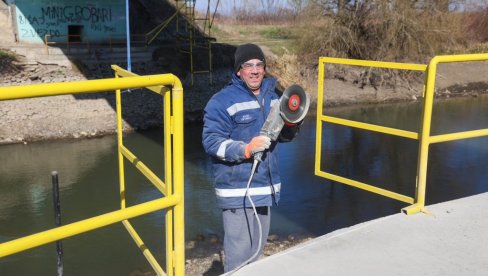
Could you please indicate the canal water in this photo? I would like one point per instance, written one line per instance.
(310, 205)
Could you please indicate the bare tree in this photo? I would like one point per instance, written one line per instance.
(339, 6)
(269, 6)
(297, 5)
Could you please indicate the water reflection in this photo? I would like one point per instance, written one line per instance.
(310, 205)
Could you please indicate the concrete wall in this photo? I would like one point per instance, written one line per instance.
(100, 19)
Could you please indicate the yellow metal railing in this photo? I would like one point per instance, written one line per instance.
(139, 39)
(48, 40)
(167, 85)
(424, 138)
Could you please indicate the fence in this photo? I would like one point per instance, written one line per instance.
(166, 85)
(417, 203)
(73, 40)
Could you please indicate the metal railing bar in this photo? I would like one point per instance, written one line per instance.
(371, 63)
(159, 89)
(145, 251)
(82, 87)
(168, 173)
(458, 136)
(178, 177)
(150, 175)
(69, 230)
(371, 127)
(459, 58)
(424, 137)
(366, 187)
(173, 104)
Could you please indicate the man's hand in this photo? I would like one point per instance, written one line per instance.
(257, 144)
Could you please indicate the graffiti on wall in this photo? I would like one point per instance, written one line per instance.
(36, 21)
(77, 14)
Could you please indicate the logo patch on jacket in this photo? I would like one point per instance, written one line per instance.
(244, 118)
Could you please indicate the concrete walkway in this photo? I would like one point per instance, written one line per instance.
(452, 241)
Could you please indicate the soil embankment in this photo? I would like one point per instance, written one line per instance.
(94, 115)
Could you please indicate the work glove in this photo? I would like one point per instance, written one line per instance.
(289, 132)
(257, 144)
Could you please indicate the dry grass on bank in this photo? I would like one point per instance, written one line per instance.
(378, 31)
(371, 30)
(367, 31)
(400, 33)
(7, 60)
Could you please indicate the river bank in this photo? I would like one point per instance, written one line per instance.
(88, 115)
(204, 256)
(85, 116)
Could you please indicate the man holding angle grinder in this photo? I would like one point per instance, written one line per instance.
(242, 125)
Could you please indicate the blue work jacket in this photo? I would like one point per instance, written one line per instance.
(232, 117)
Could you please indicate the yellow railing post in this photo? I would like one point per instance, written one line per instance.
(320, 103)
(179, 221)
(168, 168)
(118, 103)
(174, 170)
(424, 137)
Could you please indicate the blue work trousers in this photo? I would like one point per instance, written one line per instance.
(241, 237)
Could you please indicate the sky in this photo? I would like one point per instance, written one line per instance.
(225, 6)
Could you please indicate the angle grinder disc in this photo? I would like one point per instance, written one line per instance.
(294, 104)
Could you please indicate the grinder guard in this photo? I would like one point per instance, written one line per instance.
(291, 109)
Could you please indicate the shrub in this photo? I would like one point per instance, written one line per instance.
(478, 26)
(7, 62)
(383, 32)
(6, 55)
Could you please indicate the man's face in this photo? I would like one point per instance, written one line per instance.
(252, 73)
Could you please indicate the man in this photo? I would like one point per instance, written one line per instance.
(232, 120)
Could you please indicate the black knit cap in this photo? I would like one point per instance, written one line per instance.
(247, 52)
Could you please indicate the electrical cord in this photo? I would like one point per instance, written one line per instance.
(254, 165)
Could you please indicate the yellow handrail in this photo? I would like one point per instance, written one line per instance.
(174, 217)
(170, 87)
(135, 38)
(82, 87)
(424, 138)
(322, 118)
(68, 43)
(72, 229)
